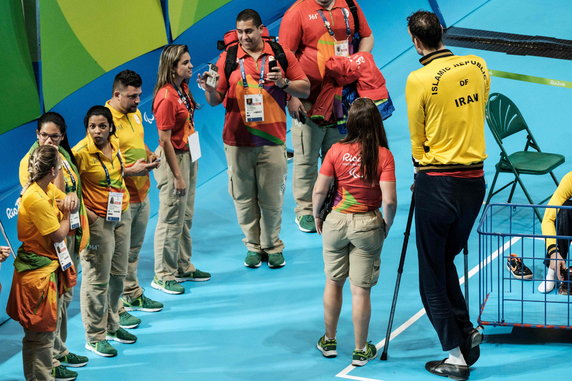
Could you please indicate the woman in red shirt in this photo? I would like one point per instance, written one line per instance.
(353, 232)
(174, 108)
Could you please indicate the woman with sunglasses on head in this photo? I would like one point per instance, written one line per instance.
(353, 232)
(40, 278)
(174, 108)
(51, 130)
(104, 262)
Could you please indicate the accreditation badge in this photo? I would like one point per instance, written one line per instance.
(254, 108)
(342, 48)
(195, 146)
(63, 255)
(114, 204)
(74, 220)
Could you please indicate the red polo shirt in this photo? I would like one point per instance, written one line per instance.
(271, 131)
(172, 114)
(303, 31)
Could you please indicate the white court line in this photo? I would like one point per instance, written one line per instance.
(421, 312)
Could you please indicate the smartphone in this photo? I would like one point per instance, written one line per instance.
(213, 75)
(272, 64)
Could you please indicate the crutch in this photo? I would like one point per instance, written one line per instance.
(466, 260)
(399, 272)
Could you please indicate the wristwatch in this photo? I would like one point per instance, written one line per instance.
(286, 84)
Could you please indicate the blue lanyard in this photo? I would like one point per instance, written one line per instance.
(328, 25)
(184, 97)
(107, 177)
(243, 73)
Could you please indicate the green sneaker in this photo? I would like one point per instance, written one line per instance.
(195, 276)
(102, 348)
(306, 223)
(61, 373)
(126, 320)
(276, 260)
(73, 360)
(253, 259)
(168, 286)
(327, 347)
(141, 303)
(360, 357)
(121, 336)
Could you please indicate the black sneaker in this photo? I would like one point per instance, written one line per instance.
(517, 268)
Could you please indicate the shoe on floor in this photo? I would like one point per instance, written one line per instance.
(142, 303)
(470, 348)
(306, 223)
(253, 259)
(276, 260)
(61, 373)
(102, 348)
(327, 347)
(193, 276)
(121, 336)
(73, 360)
(517, 268)
(169, 286)
(128, 321)
(361, 357)
(453, 371)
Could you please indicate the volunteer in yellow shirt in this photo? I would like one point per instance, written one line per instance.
(39, 279)
(104, 262)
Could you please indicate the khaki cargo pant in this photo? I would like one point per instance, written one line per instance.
(173, 244)
(104, 264)
(256, 181)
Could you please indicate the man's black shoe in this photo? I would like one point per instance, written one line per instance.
(454, 372)
(470, 348)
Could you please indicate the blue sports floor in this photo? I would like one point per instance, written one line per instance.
(262, 324)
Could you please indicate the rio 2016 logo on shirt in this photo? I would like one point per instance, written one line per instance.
(351, 158)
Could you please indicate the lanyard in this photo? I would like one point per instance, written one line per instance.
(66, 166)
(328, 25)
(107, 177)
(186, 101)
(243, 73)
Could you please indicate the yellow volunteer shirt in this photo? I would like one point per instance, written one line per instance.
(94, 185)
(446, 101)
(70, 177)
(39, 216)
(562, 194)
(131, 135)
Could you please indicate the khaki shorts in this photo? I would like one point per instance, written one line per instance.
(352, 245)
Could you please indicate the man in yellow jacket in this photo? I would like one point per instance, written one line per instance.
(446, 108)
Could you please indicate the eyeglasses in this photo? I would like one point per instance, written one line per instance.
(45, 136)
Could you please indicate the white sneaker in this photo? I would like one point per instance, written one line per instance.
(549, 284)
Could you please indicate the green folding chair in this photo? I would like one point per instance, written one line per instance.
(504, 119)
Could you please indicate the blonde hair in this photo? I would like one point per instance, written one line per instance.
(170, 57)
(41, 162)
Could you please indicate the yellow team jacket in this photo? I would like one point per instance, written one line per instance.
(446, 101)
(562, 194)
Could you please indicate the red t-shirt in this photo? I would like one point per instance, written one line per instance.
(353, 195)
(303, 31)
(172, 114)
(271, 131)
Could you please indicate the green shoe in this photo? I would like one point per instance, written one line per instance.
(142, 303)
(327, 347)
(126, 320)
(61, 373)
(121, 336)
(102, 348)
(276, 260)
(195, 276)
(253, 259)
(73, 360)
(360, 358)
(306, 223)
(168, 286)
